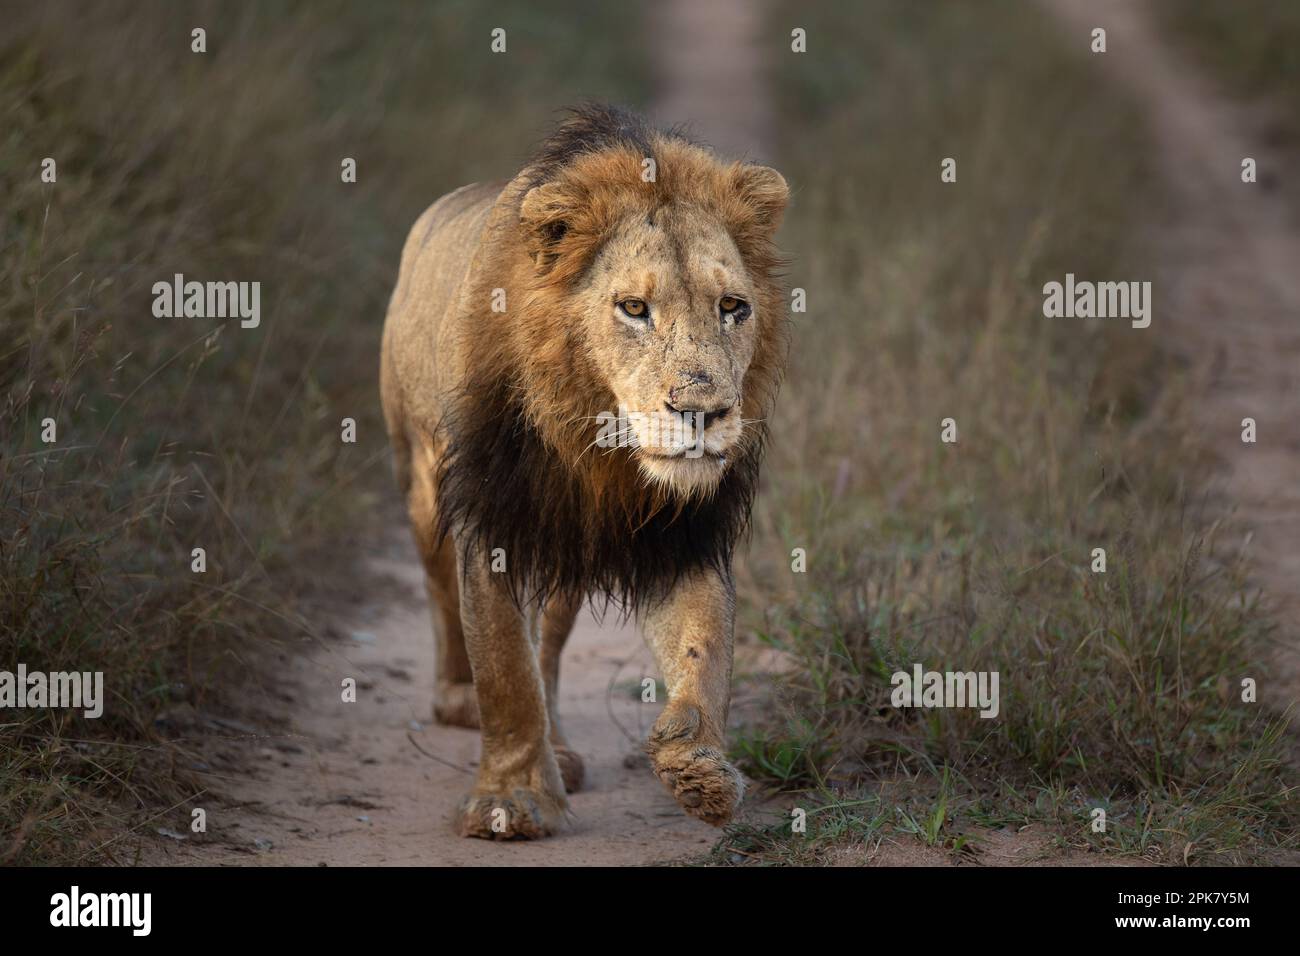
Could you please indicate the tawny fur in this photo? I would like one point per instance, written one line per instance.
(492, 416)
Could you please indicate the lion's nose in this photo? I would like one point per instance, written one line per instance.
(710, 415)
(694, 387)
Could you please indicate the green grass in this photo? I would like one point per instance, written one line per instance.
(1118, 690)
(183, 433)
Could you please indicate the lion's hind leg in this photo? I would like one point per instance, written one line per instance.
(556, 624)
(454, 700)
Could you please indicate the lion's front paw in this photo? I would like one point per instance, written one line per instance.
(701, 781)
(522, 814)
(455, 705)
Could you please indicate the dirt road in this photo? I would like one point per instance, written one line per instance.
(1228, 297)
(710, 57)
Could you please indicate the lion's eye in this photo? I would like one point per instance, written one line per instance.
(733, 310)
(635, 308)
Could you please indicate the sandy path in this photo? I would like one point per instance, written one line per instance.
(710, 56)
(1230, 289)
(376, 782)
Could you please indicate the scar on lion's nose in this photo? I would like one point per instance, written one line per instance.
(697, 382)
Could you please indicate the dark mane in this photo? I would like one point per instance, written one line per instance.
(504, 488)
(591, 128)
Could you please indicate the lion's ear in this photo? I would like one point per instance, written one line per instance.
(544, 218)
(764, 193)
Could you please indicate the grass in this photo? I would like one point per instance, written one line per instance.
(1119, 690)
(181, 433)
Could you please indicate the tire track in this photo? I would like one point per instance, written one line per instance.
(1230, 284)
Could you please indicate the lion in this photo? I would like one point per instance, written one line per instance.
(625, 274)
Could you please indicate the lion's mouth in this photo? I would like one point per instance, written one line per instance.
(692, 475)
(687, 454)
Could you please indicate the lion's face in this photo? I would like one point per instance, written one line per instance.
(668, 314)
(666, 295)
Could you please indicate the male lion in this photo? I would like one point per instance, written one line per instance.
(593, 281)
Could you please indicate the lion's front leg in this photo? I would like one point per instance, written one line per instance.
(519, 793)
(692, 632)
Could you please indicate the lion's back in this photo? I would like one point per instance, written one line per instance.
(435, 262)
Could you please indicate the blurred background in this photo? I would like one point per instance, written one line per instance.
(924, 302)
